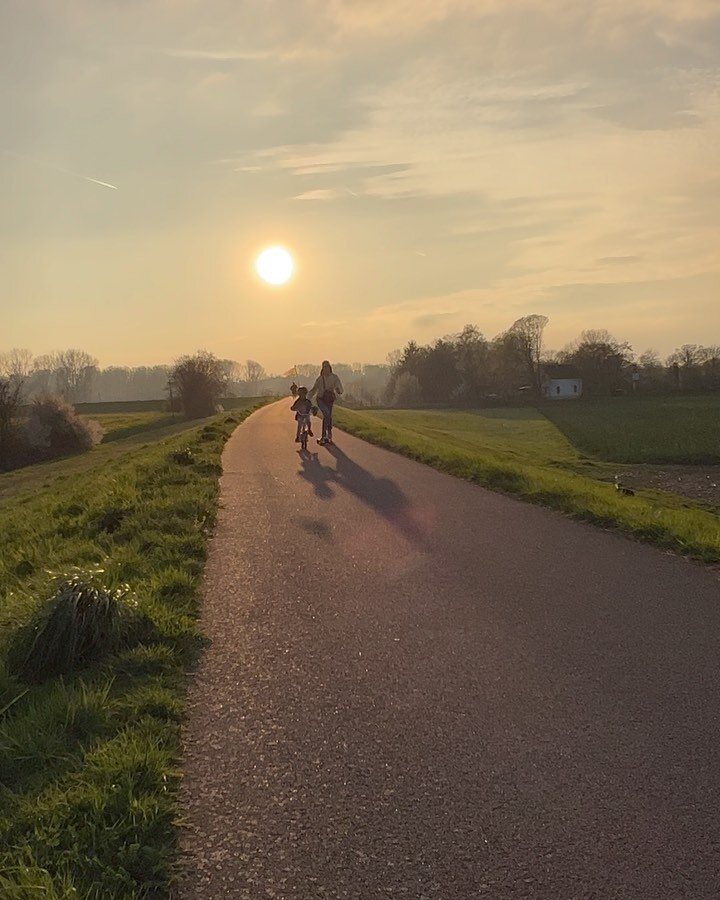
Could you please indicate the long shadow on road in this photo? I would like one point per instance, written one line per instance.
(381, 494)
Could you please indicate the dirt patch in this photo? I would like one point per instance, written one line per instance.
(695, 482)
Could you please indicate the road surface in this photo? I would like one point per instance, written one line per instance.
(417, 688)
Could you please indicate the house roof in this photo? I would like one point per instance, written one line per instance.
(559, 371)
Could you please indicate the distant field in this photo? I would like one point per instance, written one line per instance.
(648, 430)
(519, 451)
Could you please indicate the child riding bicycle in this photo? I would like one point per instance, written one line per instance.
(303, 410)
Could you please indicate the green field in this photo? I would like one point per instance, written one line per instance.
(519, 451)
(648, 430)
(88, 775)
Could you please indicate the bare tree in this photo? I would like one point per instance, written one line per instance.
(688, 355)
(527, 334)
(71, 372)
(16, 363)
(254, 372)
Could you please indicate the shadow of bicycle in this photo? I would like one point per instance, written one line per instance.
(381, 494)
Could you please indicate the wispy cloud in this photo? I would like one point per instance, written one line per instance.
(214, 55)
(617, 260)
(320, 194)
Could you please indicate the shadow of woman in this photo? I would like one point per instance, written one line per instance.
(381, 494)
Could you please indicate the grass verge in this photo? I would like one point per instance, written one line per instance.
(88, 782)
(658, 518)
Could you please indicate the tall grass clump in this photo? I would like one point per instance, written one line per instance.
(81, 623)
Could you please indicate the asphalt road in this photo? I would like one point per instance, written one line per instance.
(417, 688)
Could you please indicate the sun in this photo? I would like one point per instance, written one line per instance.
(275, 265)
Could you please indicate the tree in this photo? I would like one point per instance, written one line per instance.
(69, 373)
(601, 360)
(254, 372)
(199, 383)
(527, 334)
(711, 367)
(438, 373)
(688, 360)
(506, 370)
(652, 372)
(17, 363)
(472, 352)
(407, 391)
(10, 403)
(687, 356)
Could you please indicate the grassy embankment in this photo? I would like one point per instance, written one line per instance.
(521, 452)
(87, 763)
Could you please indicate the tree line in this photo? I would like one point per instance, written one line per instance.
(467, 368)
(76, 376)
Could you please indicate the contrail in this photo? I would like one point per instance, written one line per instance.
(47, 165)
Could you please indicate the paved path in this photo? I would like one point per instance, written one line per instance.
(420, 689)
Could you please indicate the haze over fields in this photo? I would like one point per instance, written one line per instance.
(427, 163)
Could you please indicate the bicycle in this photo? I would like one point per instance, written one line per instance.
(304, 419)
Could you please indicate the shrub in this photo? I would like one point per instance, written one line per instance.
(53, 429)
(198, 382)
(81, 623)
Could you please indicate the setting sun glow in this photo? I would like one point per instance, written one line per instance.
(275, 265)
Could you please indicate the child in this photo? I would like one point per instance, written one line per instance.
(302, 407)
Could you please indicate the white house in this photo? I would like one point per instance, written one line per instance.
(561, 382)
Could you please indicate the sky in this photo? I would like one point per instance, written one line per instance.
(428, 163)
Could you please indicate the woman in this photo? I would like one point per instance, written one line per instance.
(327, 388)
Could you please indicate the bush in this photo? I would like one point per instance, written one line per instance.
(80, 624)
(54, 429)
(198, 382)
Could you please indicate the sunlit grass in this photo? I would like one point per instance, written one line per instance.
(121, 425)
(520, 453)
(88, 762)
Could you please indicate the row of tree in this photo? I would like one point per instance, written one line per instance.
(467, 368)
(76, 376)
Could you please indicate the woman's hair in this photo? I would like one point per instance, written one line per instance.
(325, 367)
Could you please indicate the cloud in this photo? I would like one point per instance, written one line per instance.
(431, 320)
(320, 194)
(617, 260)
(215, 55)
